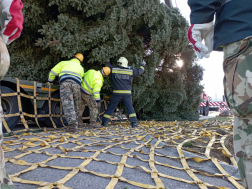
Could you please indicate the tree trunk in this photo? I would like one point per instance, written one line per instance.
(168, 3)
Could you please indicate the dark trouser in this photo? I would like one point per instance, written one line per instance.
(114, 100)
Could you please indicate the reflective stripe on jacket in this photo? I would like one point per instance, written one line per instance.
(70, 69)
(92, 83)
(122, 78)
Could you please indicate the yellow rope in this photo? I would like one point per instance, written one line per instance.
(118, 135)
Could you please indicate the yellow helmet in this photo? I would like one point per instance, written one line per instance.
(123, 62)
(105, 71)
(79, 56)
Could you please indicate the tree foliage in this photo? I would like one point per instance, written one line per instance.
(104, 30)
(175, 94)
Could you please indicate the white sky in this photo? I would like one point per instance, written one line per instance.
(213, 74)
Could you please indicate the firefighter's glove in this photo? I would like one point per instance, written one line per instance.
(98, 104)
(106, 64)
(199, 32)
(143, 63)
(11, 20)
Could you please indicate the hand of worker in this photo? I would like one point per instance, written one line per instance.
(107, 64)
(199, 32)
(11, 20)
(98, 104)
(143, 63)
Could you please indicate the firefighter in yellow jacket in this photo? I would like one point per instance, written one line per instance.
(90, 93)
(70, 75)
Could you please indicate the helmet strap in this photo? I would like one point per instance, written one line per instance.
(102, 72)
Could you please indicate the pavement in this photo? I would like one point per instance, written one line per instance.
(210, 115)
(113, 157)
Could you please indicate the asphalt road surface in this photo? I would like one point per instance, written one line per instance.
(116, 157)
(210, 115)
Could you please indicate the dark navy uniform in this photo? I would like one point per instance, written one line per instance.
(122, 86)
(232, 21)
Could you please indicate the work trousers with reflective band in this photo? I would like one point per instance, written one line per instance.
(237, 66)
(91, 103)
(114, 100)
(5, 181)
(70, 98)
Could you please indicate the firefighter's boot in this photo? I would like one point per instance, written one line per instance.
(134, 125)
(72, 128)
(80, 124)
(94, 125)
(104, 123)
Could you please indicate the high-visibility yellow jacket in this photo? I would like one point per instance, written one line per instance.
(92, 83)
(70, 69)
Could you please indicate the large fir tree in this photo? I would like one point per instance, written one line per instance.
(175, 94)
(104, 30)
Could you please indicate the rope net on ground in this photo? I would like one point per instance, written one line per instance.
(121, 143)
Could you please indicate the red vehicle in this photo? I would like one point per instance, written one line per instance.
(207, 105)
(204, 105)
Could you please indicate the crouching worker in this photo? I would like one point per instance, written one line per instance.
(70, 73)
(90, 93)
(122, 78)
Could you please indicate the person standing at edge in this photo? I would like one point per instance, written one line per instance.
(232, 33)
(70, 73)
(11, 21)
(122, 78)
(91, 86)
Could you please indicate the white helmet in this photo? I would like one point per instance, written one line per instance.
(123, 62)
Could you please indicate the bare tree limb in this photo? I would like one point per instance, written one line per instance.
(169, 3)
